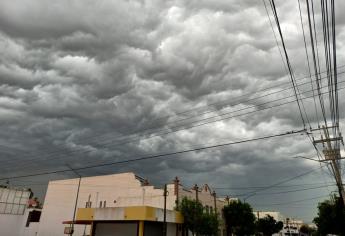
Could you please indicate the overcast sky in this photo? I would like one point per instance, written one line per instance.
(86, 82)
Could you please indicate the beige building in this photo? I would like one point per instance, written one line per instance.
(125, 200)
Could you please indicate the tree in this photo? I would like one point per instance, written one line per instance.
(209, 224)
(196, 219)
(307, 230)
(239, 218)
(331, 217)
(268, 225)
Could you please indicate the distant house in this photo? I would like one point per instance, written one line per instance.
(118, 204)
(291, 226)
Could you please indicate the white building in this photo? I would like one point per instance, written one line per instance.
(291, 226)
(16, 219)
(112, 197)
(275, 214)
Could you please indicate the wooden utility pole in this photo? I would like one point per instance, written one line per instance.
(332, 154)
(215, 202)
(176, 190)
(165, 211)
(196, 188)
(227, 199)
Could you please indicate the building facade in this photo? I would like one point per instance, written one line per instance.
(113, 194)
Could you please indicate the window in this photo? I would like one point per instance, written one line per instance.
(104, 203)
(34, 216)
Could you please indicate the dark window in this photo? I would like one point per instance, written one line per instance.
(34, 216)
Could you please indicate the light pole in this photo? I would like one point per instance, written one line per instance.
(76, 198)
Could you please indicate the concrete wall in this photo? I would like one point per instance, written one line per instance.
(9, 224)
(15, 225)
(32, 230)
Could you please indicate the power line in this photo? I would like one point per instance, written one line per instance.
(315, 55)
(283, 181)
(275, 37)
(277, 105)
(159, 155)
(280, 186)
(135, 133)
(289, 191)
(287, 60)
(290, 202)
(307, 56)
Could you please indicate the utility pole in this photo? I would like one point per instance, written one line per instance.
(227, 199)
(215, 202)
(176, 191)
(332, 154)
(196, 188)
(76, 199)
(165, 211)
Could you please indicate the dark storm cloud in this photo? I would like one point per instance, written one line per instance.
(76, 76)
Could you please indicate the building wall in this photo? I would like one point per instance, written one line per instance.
(207, 200)
(9, 224)
(118, 190)
(13, 212)
(204, 196)
(15, 225)
(32, 230)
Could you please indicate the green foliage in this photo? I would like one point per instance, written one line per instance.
(268, 225)
(305, 229)
(239, 218)
(209, 224)
(331, 217)
(196, 220)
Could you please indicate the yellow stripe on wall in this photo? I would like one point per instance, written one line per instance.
(140, 213)
(85, 213)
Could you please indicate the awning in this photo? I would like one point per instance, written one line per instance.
(77, 222)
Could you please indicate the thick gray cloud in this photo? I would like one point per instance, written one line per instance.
(85, 82)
